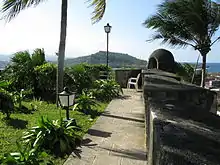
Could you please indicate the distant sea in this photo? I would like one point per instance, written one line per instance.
(212, 67)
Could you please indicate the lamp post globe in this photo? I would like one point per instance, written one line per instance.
(107, 28)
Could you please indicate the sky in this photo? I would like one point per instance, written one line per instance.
(39, 27)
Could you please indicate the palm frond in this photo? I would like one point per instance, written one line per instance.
(171, 40)
(185, 22)
(99, 9)
(11, 8)
(214, 18)
(164, 24)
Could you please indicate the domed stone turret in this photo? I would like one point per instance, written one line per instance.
(161, 59)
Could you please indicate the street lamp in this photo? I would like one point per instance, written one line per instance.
(66, 99)
(107, 29)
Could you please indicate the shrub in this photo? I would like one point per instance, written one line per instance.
(21, 69)
(18, 97)
(46, 79)
(6, 98)
(57, 136)
(83, 76)
(106, 90)
(186, 71)
(86, 103)
(80, 76)
(25, 156)
(95, 69)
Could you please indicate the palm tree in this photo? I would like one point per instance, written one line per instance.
(187, 23)
(11, 8)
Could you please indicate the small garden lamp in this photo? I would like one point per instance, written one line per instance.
(66, 99)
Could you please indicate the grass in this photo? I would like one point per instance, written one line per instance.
(13, 129)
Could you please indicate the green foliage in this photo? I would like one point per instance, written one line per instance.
(185, 71)
(81, 76)
(25, 156)
(18, 97)
(86, 103)
(106, 90)
(21, 69)
(38, 57)
(46, 79)
(58, 136)
(7, 105)
(95, 69)
(13, 130)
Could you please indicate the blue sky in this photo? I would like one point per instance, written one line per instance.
(39, 28)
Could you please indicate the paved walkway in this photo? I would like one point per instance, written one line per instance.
(117, 138)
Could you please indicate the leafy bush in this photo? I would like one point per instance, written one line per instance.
(18, 97)
(45, 81)
(57, 136)
(185, 71)
(106, 90)
(21, 69)
(95, 69)
(25, 156)
(83, 76)
(86, 103)
(6, 98)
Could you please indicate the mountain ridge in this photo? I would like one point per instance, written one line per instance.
(116, 60)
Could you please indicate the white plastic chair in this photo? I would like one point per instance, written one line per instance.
(133, 81)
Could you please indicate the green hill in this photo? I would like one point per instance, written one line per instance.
(116, 60)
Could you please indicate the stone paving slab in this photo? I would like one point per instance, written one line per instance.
(118, 136)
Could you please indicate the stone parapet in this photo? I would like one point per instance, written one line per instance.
(181, 123)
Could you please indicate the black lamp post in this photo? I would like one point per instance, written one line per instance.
(107, 30)
(66, 99)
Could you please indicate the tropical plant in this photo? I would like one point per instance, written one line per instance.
(57, 136)
(187, 23)
(21, 69)
(13, 7)
(186, 71)
(46, 80)
(81, 77)
(106, 90)
(19, 97)
(85, 103)
(94, 70)
(25, 156)
(6, 99)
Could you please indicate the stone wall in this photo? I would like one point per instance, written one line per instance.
(181, 123)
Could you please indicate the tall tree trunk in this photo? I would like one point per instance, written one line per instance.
(203, 69)
(197, 62)
(62, 46)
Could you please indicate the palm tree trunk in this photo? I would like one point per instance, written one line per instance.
(195, 69)
(203, 69)
(62, 46)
